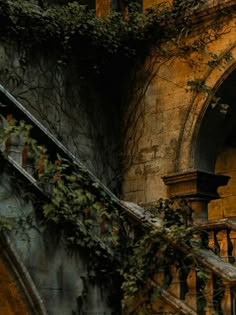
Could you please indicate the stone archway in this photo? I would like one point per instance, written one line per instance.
(10, 300)
(18, 295)
(204, 133)
(186, 155)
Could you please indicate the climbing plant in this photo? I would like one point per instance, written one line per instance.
(86, 216)
(92, 50)
(83, 213)
(73, 29)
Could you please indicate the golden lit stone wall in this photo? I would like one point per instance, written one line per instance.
(226, 205)
(165, 124)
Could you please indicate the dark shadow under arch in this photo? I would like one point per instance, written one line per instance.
(218, 126)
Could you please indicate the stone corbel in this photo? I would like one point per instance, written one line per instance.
(198, 187)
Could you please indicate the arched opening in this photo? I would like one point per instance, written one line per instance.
(18, 295)
(11, 301)
(216, 147)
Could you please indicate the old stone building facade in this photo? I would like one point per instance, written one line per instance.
(179, 142)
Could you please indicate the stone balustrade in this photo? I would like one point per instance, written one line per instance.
(185, 288)
(200, 289)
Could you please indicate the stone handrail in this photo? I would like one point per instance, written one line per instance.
(136, 213)
(226, 223)
(204, 257)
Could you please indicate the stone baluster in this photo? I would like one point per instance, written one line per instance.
(14, 147)
(233, 240)
(168, 277)
(226, 302)
(231, 258)
(211, 241)
(201, 300)
(183, 274)
(159, 278)
(218, 293)
(222, 236)
(216, 247)
(225, 245)
(190, 296)
(28, 161)
(233, 300)
(174, 287)
(208, 295)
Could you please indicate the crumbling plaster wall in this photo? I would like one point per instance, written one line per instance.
(168, 119)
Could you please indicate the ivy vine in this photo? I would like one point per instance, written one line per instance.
(83, 213)
(73, 29)
(86, 217)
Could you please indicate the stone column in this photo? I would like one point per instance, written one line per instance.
(226, 303)
(196, 186)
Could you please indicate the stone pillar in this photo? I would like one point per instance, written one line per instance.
(196, 186)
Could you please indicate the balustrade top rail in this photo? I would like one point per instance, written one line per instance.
(217, 225)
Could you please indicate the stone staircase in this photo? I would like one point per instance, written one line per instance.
(186, 290)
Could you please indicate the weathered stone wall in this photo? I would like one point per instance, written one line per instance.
(67, 106)
(62, 278)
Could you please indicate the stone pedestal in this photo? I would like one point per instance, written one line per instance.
(196, 186)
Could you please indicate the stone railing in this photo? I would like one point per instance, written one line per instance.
(184, 289)
(222, 241)
(204, 290)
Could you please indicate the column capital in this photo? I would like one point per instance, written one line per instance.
(198, 187)
(195, 184)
